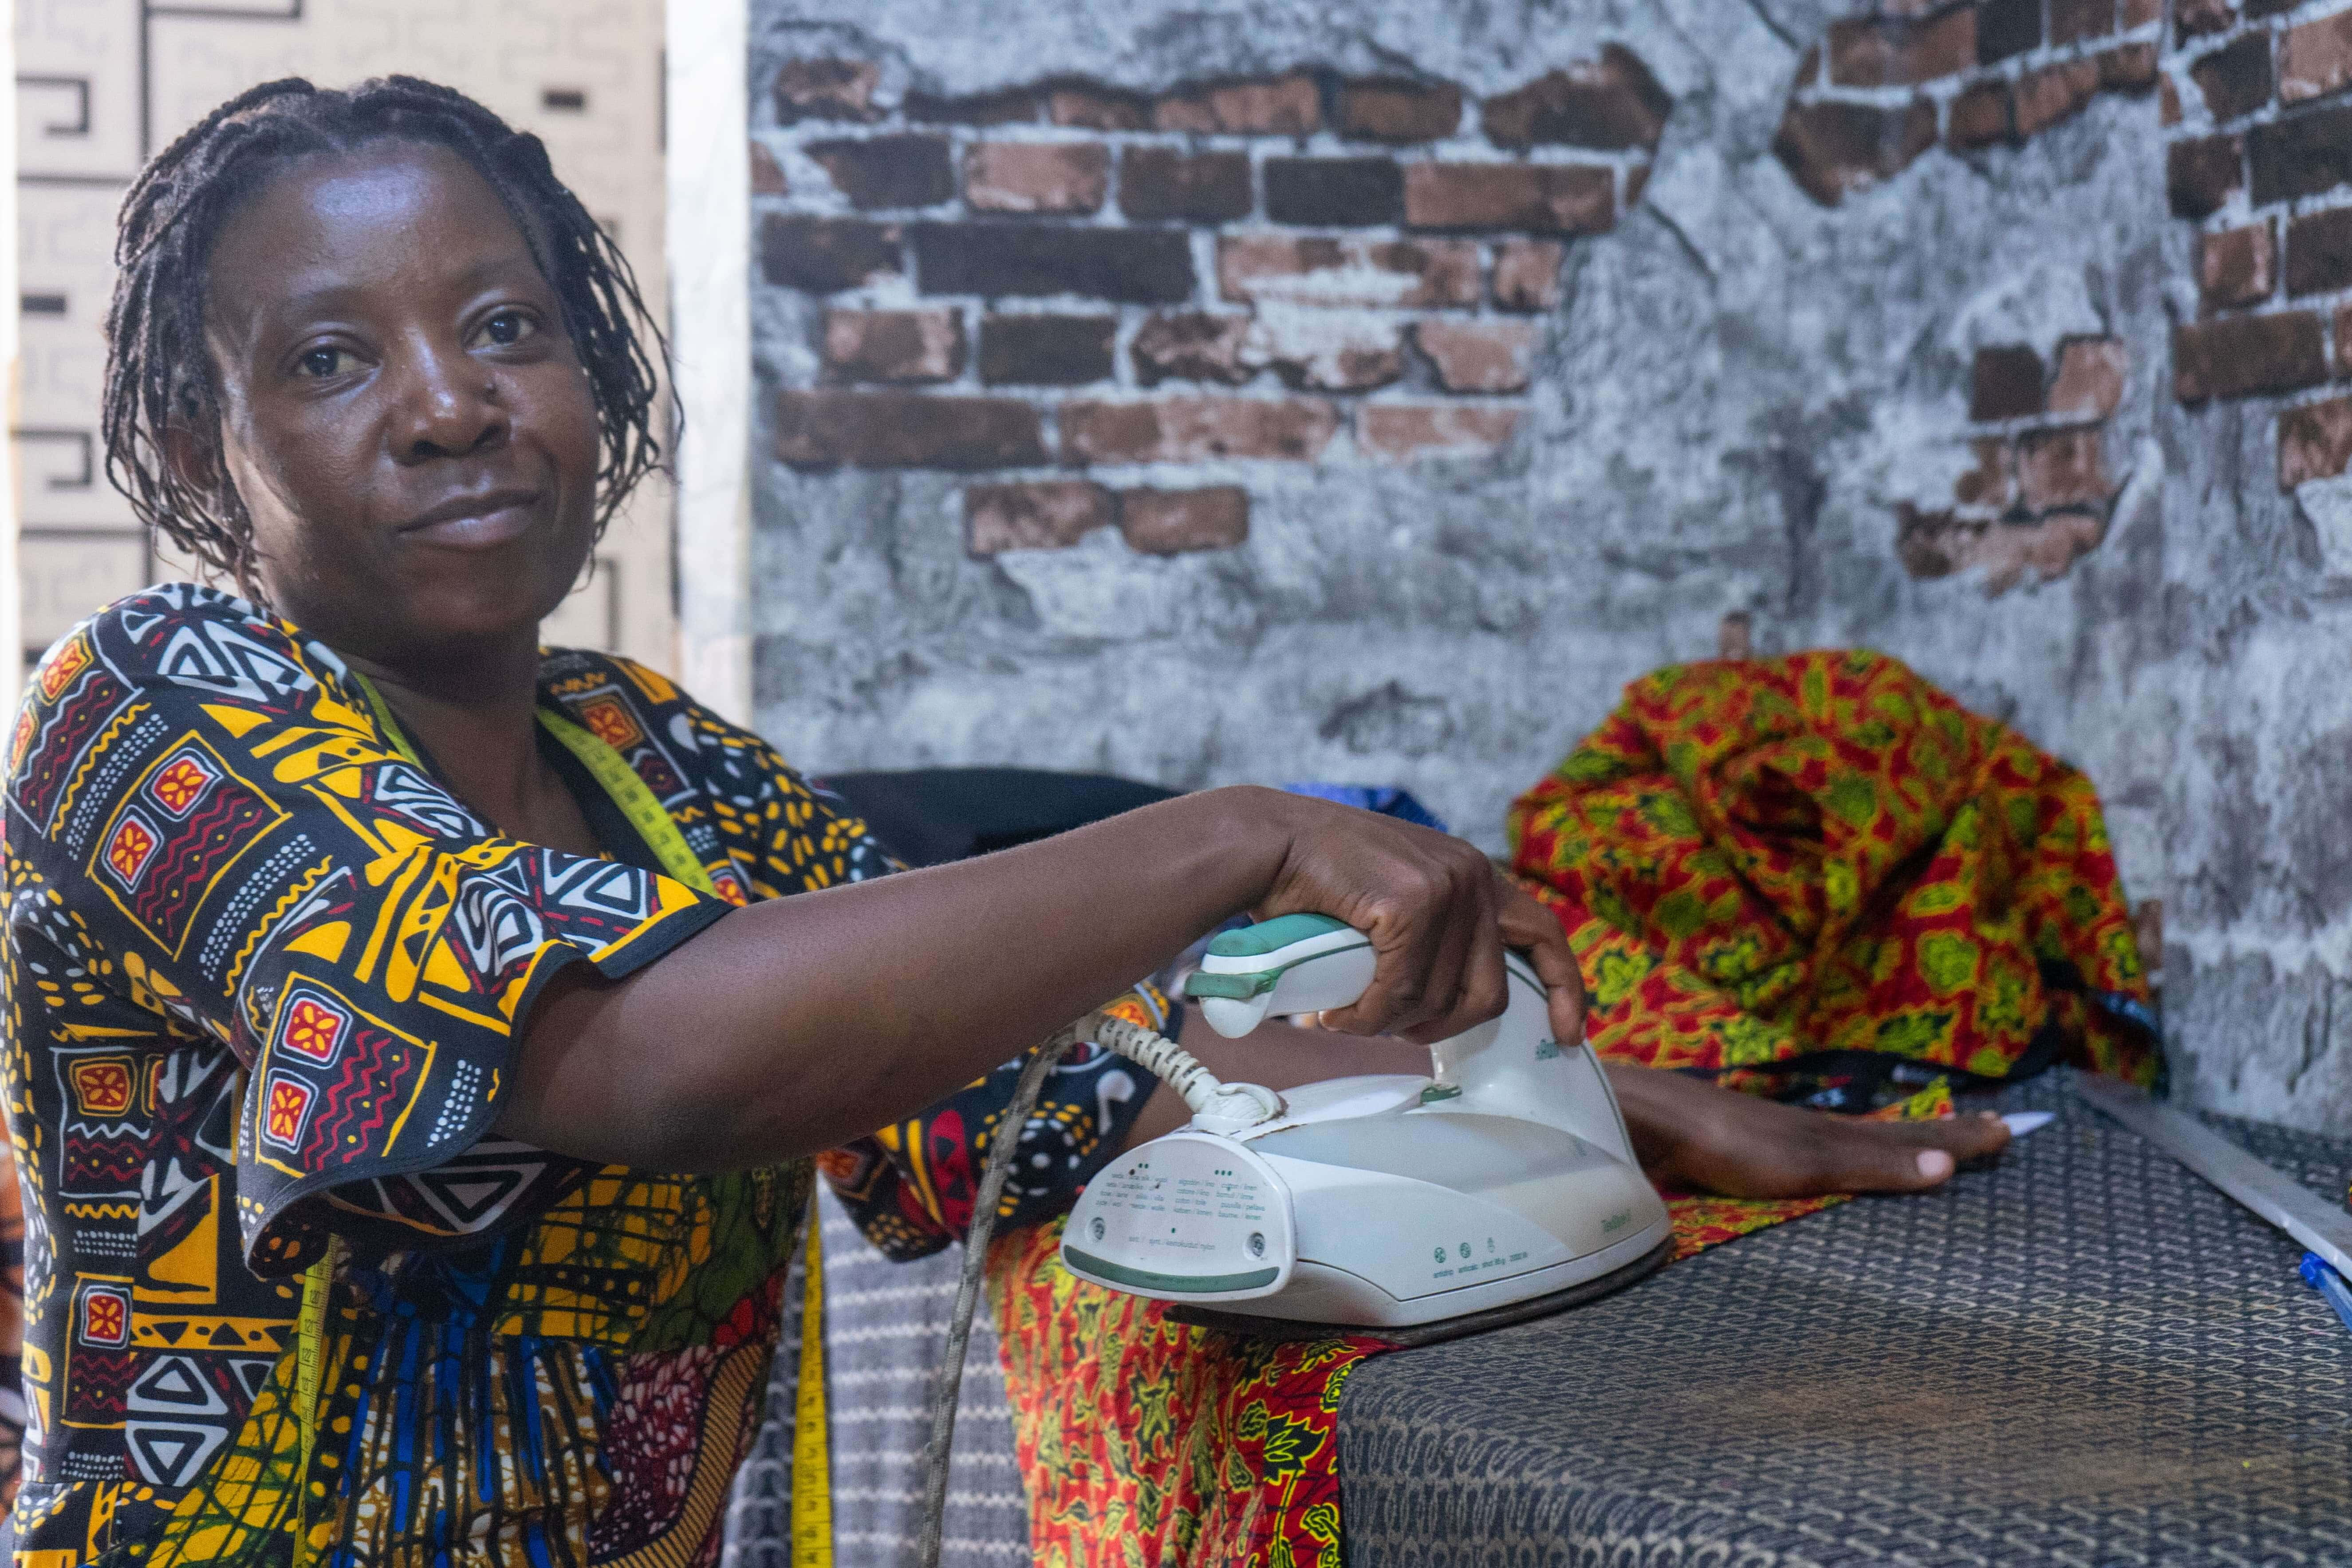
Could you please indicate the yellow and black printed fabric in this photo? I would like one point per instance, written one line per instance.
(263, 978)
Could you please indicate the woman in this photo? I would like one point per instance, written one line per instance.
(415, 1058)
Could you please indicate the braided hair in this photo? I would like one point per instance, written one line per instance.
(159, 373)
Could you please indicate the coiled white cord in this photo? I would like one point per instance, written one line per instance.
(1214, 1104)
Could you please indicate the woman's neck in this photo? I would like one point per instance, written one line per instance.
(475, 717)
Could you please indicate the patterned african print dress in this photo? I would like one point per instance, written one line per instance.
(263, 978)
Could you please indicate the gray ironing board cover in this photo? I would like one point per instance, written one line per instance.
(2084, 1356)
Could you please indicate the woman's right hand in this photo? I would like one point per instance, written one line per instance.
(1431, 904)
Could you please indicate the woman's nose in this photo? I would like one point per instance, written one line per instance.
(449, 405)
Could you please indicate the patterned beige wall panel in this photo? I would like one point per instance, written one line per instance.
(584, 74)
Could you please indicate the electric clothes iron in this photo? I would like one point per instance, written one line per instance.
(1501, 1187)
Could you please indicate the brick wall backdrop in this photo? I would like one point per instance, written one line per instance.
(1235, 391)
(1085, 294)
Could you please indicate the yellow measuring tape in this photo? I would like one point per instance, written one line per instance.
(811, 1432)
(812, 1461)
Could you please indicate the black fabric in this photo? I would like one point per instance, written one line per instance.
(2082, 1355)
(932, 815)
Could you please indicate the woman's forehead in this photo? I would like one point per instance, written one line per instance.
(388, 215)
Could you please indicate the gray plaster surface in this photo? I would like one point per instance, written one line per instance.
(1737, 390)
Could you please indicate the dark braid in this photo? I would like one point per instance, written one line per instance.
(159, 373)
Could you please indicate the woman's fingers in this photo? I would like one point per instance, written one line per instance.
(1689, 1134)
(1426, 899)
(1527, 925)
(1480, 987)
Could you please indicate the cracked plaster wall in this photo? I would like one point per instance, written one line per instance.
(1738, 390)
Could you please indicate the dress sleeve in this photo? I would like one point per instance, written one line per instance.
(216, 825)
(910, 1187)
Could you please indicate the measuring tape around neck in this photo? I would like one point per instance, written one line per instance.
(613, 774)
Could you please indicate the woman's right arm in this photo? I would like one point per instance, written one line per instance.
(794, 1025)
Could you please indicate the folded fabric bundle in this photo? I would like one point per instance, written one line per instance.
(1815, 878)
(1821, 879)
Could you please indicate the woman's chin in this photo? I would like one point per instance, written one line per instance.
(483, 615)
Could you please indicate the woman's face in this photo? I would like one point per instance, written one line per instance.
(402, 410)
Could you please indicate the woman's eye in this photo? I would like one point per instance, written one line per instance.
(323, 363)
(507, 327)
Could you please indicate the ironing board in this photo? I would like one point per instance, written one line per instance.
(2084, 1356)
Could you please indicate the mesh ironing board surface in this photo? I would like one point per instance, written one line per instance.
(2085, 1356)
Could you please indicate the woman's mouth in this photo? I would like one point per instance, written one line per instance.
(480, 520)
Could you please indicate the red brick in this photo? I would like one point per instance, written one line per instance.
(2054, 94)
(1012, 106)
(1328, 350)
(2142, 12)
(1196, 429)
(1282, 106)
(2072, 21)
(2315, 442)
(1637, 180)
(1046, 350)
(900, 171)
(1612, 103)
(1408, 274)
(1090, 106)
(2237, 266)
(2315, 59)
(1400, 110)
(904, 430)
(2130, 68)
(767, 176)
(2168, 102)
(826, 254)
(1833, 150)
(1981, 116)
(2319, 252)
(2090, 383)
(1937, 544)
(1527, 274)
(1334, 193)
(2062, 468)
(1192, 187)
(2236, 78)
(2005, 382)
(1403, 431)
(1061, 177)
(1896, 51)
(2301, 156)
(1478, 356)
(2194, 18)
(1988, 487)
(2239, 356)
(1051, 514)
(903, 346)
(1193, 346)
(2006, 28)
(1131, 266)
(827, 89)
(1545, 199)
(1172, 522)
(2200, 173)
(2344, 341)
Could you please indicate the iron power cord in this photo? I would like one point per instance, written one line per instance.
(1213, 1103)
